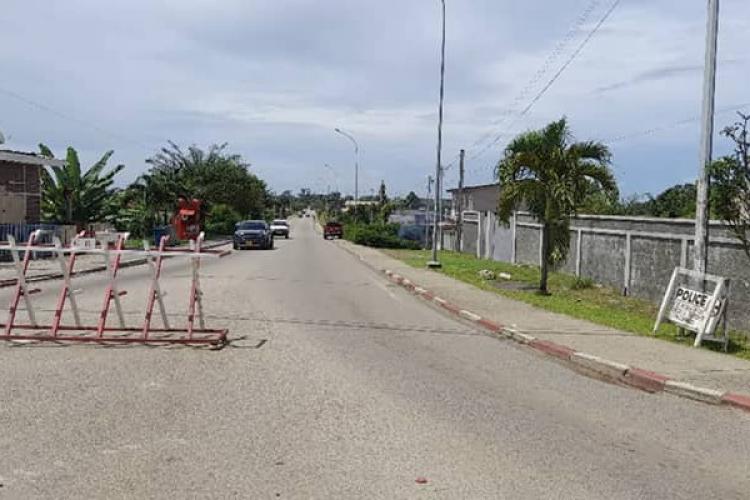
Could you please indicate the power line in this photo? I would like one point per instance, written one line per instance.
(549, 61)
(552, 80)
(673, 125)
(655, 130)
(65, 116)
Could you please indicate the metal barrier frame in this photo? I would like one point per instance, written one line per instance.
(103, 334)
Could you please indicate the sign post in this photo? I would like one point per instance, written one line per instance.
(694, 308)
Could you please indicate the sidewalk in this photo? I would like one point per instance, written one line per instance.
(698, 367)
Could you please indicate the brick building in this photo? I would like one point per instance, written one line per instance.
(21, 186)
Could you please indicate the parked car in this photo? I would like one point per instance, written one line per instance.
(253, 234)
(333, 230)
(280, 227)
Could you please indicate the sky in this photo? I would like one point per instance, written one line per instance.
(274, 78)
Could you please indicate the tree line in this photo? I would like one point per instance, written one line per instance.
(220, 179)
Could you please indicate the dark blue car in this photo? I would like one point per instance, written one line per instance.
(253, 234)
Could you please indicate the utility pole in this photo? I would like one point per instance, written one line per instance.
(435, 263)
(700, 260)
(460, 203)
(427, 211)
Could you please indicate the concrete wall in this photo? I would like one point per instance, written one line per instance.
(469, 237)
(633, 254)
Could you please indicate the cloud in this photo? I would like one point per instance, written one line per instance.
(274, 78)
(652, 75)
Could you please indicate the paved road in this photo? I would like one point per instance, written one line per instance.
(359, 390)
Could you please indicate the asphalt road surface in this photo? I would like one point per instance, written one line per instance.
(338, 385)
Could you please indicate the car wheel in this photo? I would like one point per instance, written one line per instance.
(286, 236)
(235, 246)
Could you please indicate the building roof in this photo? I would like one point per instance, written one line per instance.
(10, 156)
(480, 186)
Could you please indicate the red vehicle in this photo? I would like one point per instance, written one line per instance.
(333, 230)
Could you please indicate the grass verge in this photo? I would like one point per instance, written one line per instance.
(572, 296)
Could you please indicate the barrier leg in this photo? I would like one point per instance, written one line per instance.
(155, 294)
(195, 291)
(67, 291)
(22, 289)
(111, 292)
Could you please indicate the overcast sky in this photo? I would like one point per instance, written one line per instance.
(273, 78)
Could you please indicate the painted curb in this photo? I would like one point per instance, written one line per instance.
(686, 390)
(740, 401)
(610, 369)
(635, 377)
(469, 315)
(520, 337)
(552, 349)
(644, 379)
(490, 325)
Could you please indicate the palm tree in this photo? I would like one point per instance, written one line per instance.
(72, 197)
(551, 175)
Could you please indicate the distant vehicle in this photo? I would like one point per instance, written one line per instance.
(333, 230)
(252, 234)
(307, 214)
(280, 227)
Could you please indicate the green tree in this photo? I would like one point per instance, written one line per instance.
(221, 220)
(412, 201)
(71, 196)
(212, 175)
(382, 195)
(676, 201)
(731, 182)
(551, 175)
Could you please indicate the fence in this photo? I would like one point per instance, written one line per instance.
(633, 254)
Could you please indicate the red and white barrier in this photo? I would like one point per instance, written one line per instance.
(57, 331)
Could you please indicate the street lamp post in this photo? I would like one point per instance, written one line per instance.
(700, 260)
(435, 263)
(356, 164)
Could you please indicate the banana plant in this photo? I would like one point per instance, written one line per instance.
(71, 196)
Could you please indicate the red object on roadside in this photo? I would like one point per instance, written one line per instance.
(421, 480)
(187, 219)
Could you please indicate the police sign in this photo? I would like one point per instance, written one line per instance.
(695, 308)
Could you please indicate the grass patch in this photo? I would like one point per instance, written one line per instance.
(576, 297)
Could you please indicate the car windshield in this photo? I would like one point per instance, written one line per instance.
(279, 223)
(251, 226)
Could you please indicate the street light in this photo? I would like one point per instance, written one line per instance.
(435, 263)
(356, 163)
(700, 259)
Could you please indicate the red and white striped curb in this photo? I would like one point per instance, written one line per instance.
(617, 372)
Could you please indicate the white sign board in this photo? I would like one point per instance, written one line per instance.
(692, 307)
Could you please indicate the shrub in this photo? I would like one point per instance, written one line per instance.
(582, 283)
(377, 235)
(221, 220)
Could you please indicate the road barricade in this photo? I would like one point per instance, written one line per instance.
(112, 250)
